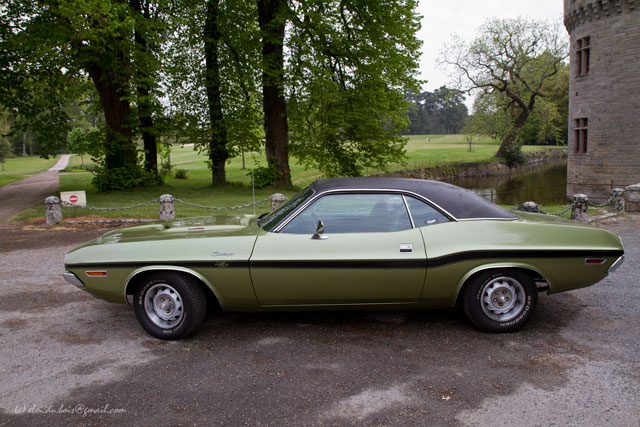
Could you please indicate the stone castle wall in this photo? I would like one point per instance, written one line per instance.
(608, 96)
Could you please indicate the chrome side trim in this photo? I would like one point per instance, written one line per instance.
(616, 264)
(73, 279)
(406, 206)
(498, 266)
(167, 268)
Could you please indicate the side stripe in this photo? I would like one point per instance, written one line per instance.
(368, 264)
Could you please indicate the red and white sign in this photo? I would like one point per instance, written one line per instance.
(76, 198)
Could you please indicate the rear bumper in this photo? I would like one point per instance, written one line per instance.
(616, 264)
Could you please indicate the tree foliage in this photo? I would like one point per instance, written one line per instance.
(322, 80)
(52, 51)
(191, 80)
(439, 112)
(510, 61)
(351, 64)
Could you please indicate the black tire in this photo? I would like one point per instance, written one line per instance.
(500, 300)
(169, 305)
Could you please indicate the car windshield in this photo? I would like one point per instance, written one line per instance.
(269, 222)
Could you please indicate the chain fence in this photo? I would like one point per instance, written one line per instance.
(121, 208)
(610, 203)
(221, 208)
(150, 202)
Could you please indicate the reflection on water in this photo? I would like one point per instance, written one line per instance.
(545, 184)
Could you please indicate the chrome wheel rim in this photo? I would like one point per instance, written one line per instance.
(503, 299)
(163, 306)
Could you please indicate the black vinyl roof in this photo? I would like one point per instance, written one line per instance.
(461, 203)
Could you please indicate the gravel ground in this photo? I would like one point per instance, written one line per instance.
(69, 359)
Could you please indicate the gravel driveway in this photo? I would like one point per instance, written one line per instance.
(31, 191)
(69, 359)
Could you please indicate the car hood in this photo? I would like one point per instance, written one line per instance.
(190, 228)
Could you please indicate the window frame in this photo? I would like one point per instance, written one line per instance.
(402, 193)
(581, 135)
(583, 56)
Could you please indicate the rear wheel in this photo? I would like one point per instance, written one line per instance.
(169, 305)
(500, 300)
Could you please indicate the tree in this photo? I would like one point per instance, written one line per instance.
(48, 50)
(6, 149)
(513, 58)
(350, 64)
(439, 112)
(84, 141)
(211, 68)
(272, 18)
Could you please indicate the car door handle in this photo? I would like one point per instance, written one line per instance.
(406, 247)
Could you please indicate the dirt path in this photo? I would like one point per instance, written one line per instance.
(30, 192)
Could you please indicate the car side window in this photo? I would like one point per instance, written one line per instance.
(424, 214)
(352, 213)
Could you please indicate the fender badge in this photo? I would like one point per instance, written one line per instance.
(222, 254)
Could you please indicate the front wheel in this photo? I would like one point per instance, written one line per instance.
(169, 305)
(500, 301)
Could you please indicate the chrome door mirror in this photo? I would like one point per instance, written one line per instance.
(319, 230)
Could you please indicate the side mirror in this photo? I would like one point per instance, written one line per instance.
(319, 230)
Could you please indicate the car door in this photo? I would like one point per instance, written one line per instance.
(369, 253)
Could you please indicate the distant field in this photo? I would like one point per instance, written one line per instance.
(18, 168)
(197, 188)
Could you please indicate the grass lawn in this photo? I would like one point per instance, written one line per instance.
(197, 188)
(18, 168)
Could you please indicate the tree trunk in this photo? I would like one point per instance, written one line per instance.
(510, 142)
(145, 104)
(272, 26)
(112, 89)
(24, 144)
(218, 152)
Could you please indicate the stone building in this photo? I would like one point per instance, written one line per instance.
(604, 99)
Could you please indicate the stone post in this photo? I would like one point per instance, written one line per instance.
(617, 200)
(632, 198)
(530, 207)
(580, 206)
(53, 211)
(166, 207)
(277, 200)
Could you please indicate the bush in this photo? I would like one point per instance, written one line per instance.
(265, 175)
(165, 169)
(514, 156)
(181, 174)
(123, 178)
(80, 168)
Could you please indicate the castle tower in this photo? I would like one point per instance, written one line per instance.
(604, 98)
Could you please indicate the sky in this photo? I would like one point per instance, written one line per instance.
(441, 18)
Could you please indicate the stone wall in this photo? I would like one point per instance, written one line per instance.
(608, 96)
(476, 169)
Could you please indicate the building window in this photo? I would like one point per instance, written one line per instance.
(580, 131)
(583, 54)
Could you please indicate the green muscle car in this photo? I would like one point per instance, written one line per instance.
(347, 243)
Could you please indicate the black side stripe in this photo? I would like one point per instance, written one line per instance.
(368, 264)
(511, 255)
(134, 264)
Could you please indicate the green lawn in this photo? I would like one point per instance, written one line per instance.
(197, 188)
(18, 168)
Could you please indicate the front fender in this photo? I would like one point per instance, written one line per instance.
(128, 288)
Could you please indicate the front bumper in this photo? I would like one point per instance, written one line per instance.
(73, 279)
